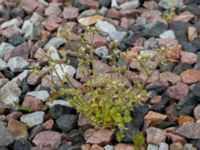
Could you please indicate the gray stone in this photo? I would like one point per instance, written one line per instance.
(4, 47)
(17, 64)
(6, 137)
(169, 34)
(9, 93)
(10, 23)
(152, 147)
(3, 65)
(168, 3)
(53, 53)
(117, 36)
(108, 147)
(130, 5)
(87, 13)
(62, 70)
(102, 51)
(141, 21)
(33, 119)
(54, 42)
(163, 146)
(103, 11)
(42, 95)
(3, 82)
(19, 78)
(105, 27)
(114, 4)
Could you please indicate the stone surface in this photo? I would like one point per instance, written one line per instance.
(169, 34)
(70, 12)
(33, 119)
(121, 146)
(196, 90)
(54, 42)
(190, 76)
(22, 144)
(152, 147)
(189, 130)
(63, 69)
(17, 64)
(105, 27)
(100, 137)
(188, 57)
(154, 117)
(197, 112)
(163, 146)
(87, 21)
(47, 139)
(176, 146)
(185, 119)
(192, 33)
(6, 137)
(155, 136)
(41, 95)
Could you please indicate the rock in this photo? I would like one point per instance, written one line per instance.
(10, 93)
(169, 34)
(19, 129)
(70, 12)
(4, 47)
(189, 130)
(81, 6)
(108, 147)
(48, 139)
(154, 31)
(30, 5)
(104, 3)
(101, 137)
(175, 138)
(167, 4)
(105, 27)
(182, 67)
(169, 77)
(16, 40)
(6, 137)
(87, 21)
(67, 122)
(150, 5)
(130, 5)
(53, 10)
(62, 70)
(177, 91)
(117, 36)
(96, 147)
(171, 112)
(33, 119)
(152, 147)
(123, 146)
(197, 112)
(155, 136)
(76, 137)
(183, 17)
(102, 51)
(13, 22)
(101, 67)
(190, 76)
(176, 146)
(154, 117)
(189, 46)
(3, 65)
(192, 33)
(184, 119)
(54, 42)
(22, 144)
(33, 104)
(114, 4)
(17, 64)
(41, 95)
(189, 57)
(163, 146)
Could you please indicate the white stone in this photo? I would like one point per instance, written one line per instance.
(42, 95)
(59, 102)
(114, 4)
(61, 70)
(33, 119)
(152, 147)
(4, 47)
(54, 42)
(3, 65)
(17, 64)
(102, 51)
(131, 5)
(117, 36)
(10, 23)
(105, 27)
(168, 35)
(163, 146)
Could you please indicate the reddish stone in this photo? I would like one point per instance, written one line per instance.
(96, 147)
(152, 15)
(169, 77)
(41, 56)
(30, 5)
(70, 12)
(44, 35)
(178, 91)
(53, 10)
(172, 113)
(124, 22)
(73, 37)
(197, 112)
(188, 57)
(8, 32)
(113, 13)
(184, 119)
(174, 53)
(190, 76)
(150, 5)
(47, 139)
(82, 121)
(122, 146)
(14, 115)
(100, 67)
(35, 77)
(91, 3)
(52, 23)
(156, 100)
(33, 104)
(154, 118)
(184, 17)
(96, 40)
(101, 137)
(175, 138)
(48, 125)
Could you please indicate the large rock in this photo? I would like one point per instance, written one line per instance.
(41, 95)
(33, 119)
(9, 93)
(54, 42)
(105, 27)
(17, 64)
(189, 130)
(48, 139)
(190, 76)
(6, 137)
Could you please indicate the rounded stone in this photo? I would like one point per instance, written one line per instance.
(22, 144)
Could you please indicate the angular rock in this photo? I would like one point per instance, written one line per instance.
(189, 130)
(192, 33)
(183, 17)
(22, 144)
(189, 57)
(62, 70)
(48, 139)
(169, 77)
(33, 104)
(33, 119)
(185, 119)
(121, 146)
(54, 42)
(17, 64)
(53, 10)
(41, 95)
(6, 137)
(169, 34)
(163, 146)
(152, 147)
(105, 27)
(154, 117)
(4, 47)
(87, 21)
(130, 5)
(100, 67)
(3, 65)
(176, 146)
(70, 12)
(190, 76)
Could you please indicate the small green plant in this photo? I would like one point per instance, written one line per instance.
(22, 108)
(169, 14)
(138, 140)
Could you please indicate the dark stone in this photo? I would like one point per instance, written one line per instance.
(80, 6)
(3, 148)
(22, 144)
(196, 90)
(156, 30)
(166, 124)
(169, 66)
(67, 122)
(105, 3)
(17, 12)
(196, 143)
(197, 65)
(35, 131)
(180, 30)
(25, 87)
(136, 123)
(182, 67)
(158, 88)
(193, 2)
(197, 26)
(73, 61)
(65, 147)
(76, 137)
(159, 107)
(7, 14)
(188, 47)
(8, 74)
(194, 9)
(16, 40)
(152, 93)
(186, 105)
(58, 110)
